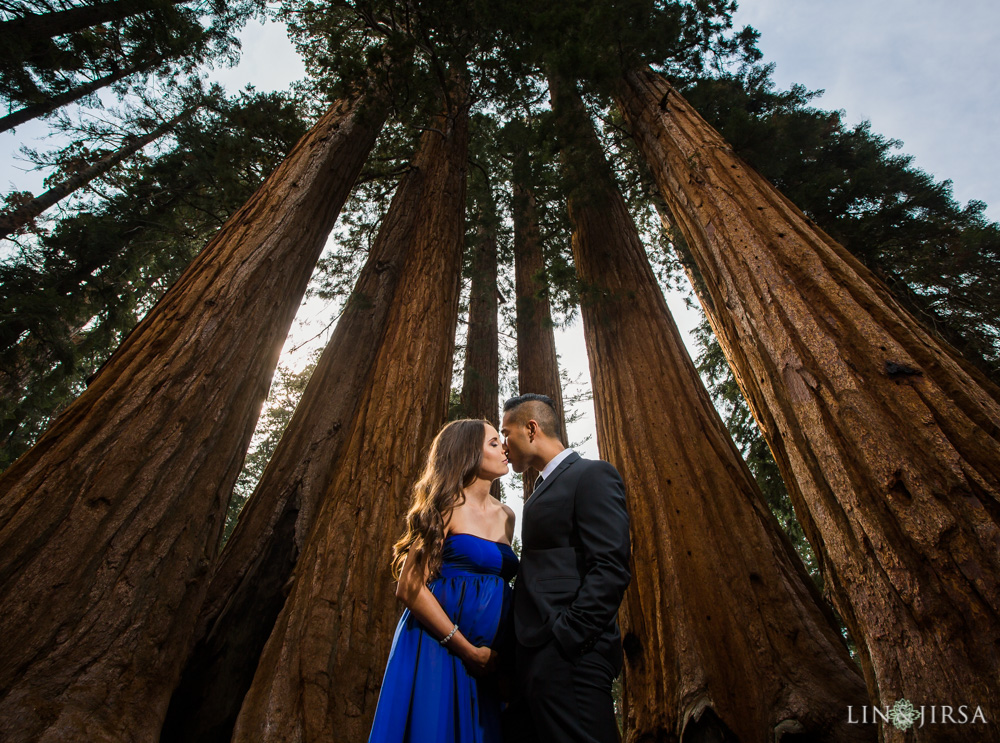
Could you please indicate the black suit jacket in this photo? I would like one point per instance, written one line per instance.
(574, 558)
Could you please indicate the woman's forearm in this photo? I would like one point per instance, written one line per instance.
(427, 610)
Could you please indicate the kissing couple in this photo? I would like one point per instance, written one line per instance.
(465, 636)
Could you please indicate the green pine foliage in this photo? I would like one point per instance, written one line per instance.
(165, 38)
(939, 259)
(69, 299)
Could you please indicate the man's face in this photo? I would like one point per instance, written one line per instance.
(515, 442)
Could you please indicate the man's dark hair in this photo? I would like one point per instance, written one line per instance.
(540, 408)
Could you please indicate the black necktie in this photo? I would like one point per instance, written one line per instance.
(538, 483)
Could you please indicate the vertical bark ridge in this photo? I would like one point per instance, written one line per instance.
(888, 441)
(321, 668)
(722, 626)
(110, 522)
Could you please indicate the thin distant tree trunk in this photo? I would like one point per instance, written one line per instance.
(319, 674)
(13, 220)
(20, 36)
(109, 523)
(481, 378)
(723, 629)
(480, 396)
(537, 363)
(49, 105)
(248, 586)
(888, 444)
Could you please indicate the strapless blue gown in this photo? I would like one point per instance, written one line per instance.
(427, 695)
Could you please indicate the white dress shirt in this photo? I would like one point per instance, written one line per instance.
(553, 463)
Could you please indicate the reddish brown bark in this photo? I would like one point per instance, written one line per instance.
(249, 582)
(320, 671)
(110, 521)
(722, 626)
(890, 446)
(537, 363)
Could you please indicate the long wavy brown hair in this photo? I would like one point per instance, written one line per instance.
(454, 460)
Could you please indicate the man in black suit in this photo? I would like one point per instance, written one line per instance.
(573, 573)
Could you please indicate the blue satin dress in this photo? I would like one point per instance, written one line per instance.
(427, 695)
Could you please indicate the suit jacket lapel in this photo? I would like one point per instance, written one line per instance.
(563, 465)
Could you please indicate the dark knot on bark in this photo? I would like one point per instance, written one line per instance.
(895, 370)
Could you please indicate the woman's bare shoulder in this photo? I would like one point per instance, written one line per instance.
(509, 522)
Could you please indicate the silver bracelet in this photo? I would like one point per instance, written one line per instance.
(450, 635)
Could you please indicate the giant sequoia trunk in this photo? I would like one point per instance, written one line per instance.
(248, 586)
(724, 633)
(890, 445)
(15, 219)
(110, 521)
(320, 671)
(537, 363)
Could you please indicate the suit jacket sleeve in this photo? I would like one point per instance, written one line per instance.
(602, 527)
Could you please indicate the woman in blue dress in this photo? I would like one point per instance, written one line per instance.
(453, 566)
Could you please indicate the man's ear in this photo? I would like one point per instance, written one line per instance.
(532, 430)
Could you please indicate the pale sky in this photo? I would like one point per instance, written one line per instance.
(922, 72)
